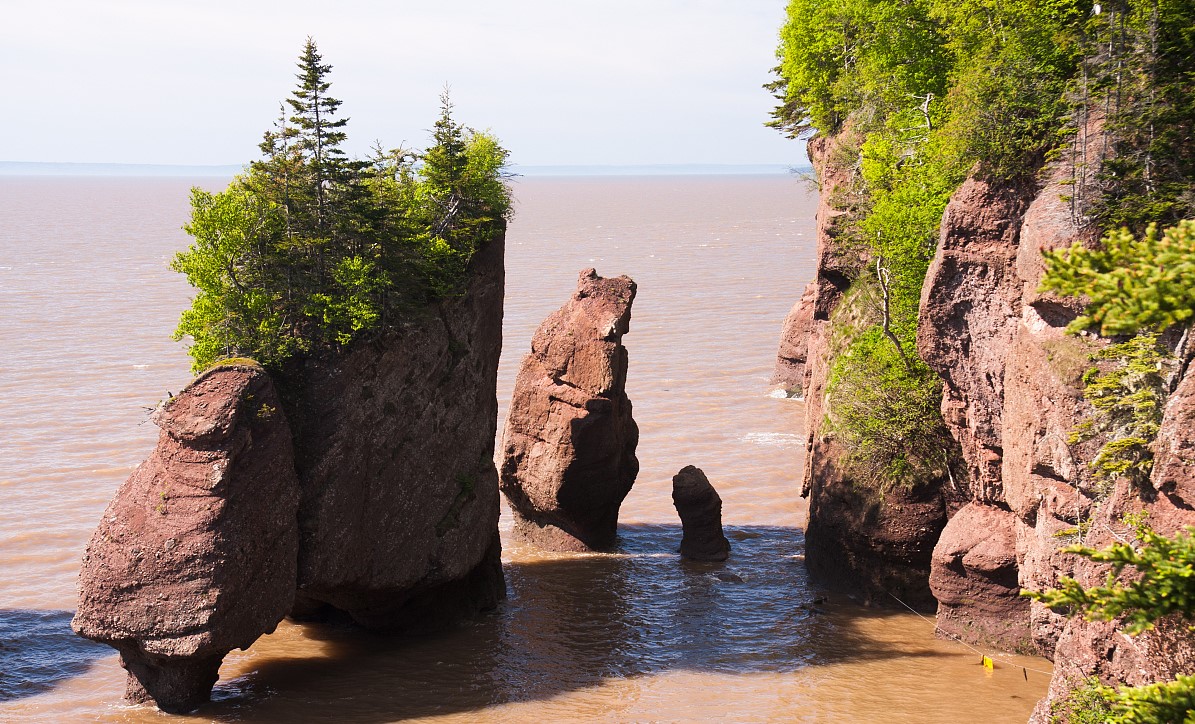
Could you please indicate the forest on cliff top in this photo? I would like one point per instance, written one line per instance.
(308, 249)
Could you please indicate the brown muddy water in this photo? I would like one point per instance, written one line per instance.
(87, 305)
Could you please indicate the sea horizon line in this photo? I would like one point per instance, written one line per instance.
(67, 168)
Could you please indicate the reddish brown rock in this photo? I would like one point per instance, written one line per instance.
(196, 554)
(1100, 648)
(394, 448)
(700, 510)
(568, 451)
(974, 578)
(874, 547)
(793, 356)
(1174, 449)
(387, 512)
(1013, 395)
(970, 306)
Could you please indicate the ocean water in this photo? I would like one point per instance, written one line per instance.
(87, 305)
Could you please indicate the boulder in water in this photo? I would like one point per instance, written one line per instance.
(196, 555)
(700, 510)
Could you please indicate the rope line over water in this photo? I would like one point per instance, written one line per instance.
(955, 638)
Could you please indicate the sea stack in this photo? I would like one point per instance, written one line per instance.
(700, 511)
(354, 483)
(568, 451)
(196, 555)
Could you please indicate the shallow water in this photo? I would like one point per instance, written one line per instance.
(86, 308)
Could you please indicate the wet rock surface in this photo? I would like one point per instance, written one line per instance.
(568, 449)
(700, 510)
(196, 555)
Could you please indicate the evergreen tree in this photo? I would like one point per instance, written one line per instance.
(317, 133)
(460, 196)
(444, 166)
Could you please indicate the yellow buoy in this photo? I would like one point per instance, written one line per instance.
(988, 664)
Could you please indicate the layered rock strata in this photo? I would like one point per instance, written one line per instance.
(700, 510)
(196, 554)
(568, 450)
(358, 483)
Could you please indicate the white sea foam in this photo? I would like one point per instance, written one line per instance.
(772, 439)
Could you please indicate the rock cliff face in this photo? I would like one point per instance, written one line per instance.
(394, 448)
(196, 554)
(568, 450)
(360, 483)
(1012, 396)
(874, 547)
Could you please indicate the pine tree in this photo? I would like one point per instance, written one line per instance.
(317, 133)
(309, 249)
(444, 167)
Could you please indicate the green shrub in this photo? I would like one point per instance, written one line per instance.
(887, 417)
(1128, 400)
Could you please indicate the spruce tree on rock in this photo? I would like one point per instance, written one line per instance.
(316, 131)
(444, 168)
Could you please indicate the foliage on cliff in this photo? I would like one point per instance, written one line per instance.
(307, 249)
(1141, 287)
(1163, 585)
(1132, 283)
(883, 401)
(931, 88)
(1133, 286)
(940, 89)
(1139, 75)
(1128, 399)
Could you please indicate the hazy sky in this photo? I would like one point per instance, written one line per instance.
(559, 81)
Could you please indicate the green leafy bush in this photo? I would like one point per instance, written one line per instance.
(1132, 285)
(886, 416)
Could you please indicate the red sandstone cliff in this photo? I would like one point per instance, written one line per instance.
(1012, 396)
